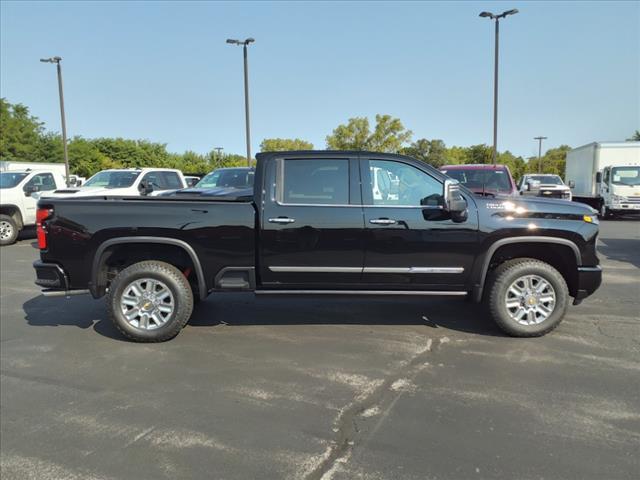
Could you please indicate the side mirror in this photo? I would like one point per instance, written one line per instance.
(454, 202)
(572, 184)
(29, 189)
(145, 188)
(599, 177)
(78, 183)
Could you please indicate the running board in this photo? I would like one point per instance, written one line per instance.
(63, 293)
(362, 292)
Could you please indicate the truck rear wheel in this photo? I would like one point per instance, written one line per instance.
(8, 230)
(527, 297)
(150, 301)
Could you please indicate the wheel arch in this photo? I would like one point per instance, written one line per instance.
(98, 279)
(563, 255)
(14, 212)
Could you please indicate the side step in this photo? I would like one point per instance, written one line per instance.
(432, 293)
(63, 293)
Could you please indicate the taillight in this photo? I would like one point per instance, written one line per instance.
(41, 215)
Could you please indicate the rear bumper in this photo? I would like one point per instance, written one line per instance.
(50, 276)
(589, 279)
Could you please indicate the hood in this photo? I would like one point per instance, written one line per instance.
(89, 192)
(535, 207)
(214, 192)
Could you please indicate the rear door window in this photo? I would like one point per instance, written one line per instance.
(315, 182)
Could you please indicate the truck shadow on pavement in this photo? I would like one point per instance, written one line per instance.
(239, 309)
(80, 311)
(244, 310)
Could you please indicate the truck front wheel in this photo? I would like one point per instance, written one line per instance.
(8, 230)
(527, 297)
(150, 301)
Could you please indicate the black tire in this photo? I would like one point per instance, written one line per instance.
(8, 230)
(176, 283)
(500, 281)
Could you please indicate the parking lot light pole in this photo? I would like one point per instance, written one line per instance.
(57, 60)
(495, 76)
(244, 44)
(539, 152)
(219, 155)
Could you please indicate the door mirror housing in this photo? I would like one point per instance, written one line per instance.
(29, 189)
(145, 188)
(454, 203)
(572, 184)
(599, 177)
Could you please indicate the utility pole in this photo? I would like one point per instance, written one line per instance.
(495, 76)
(57, 60)
(219, 154)
(244, 44)
(539, 152)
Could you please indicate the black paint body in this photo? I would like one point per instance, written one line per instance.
(235, 233)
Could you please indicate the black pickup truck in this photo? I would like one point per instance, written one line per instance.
(321, 222)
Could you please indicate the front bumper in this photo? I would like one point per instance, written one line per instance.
(50, 276)
(625, 207)
(589, 279)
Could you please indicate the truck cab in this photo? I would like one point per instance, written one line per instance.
(126, 182)
(619, 188)
(20, 192)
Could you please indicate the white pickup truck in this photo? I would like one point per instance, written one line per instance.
(126, 182)
(544, 185)
(20, 191)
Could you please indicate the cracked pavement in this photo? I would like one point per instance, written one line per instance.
(322, 388)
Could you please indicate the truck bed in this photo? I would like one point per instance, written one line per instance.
(221, 232)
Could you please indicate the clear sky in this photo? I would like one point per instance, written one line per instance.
(162, 71)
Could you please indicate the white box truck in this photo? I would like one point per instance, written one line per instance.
(606, 176)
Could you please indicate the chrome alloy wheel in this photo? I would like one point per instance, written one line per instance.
(530, 300)
(147, 303)
(6, 230)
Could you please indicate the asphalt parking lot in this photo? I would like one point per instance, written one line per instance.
(310, 388)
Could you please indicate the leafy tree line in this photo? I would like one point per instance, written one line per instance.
(23, 138)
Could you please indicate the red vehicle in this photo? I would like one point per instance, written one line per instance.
(483, 179)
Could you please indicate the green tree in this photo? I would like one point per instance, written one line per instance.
(553, 161)
(456, 155)
(284, 144)
(20, 133)
(479, 154)
(635, 137)
(433, 152)
(389, 135)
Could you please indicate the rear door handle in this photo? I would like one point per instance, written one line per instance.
(382, 221)
(282, 220)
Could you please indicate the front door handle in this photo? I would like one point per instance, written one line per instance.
(282, 220)
(382, 221)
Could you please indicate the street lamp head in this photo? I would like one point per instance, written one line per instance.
(249, 40)
(509, 12)
(51, 60)
(486, 14)
(233, 42)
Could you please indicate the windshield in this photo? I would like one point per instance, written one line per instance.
(113, 179)
(546, 179)
(229, 178)
(11, 179)
(479, 179)
(625, 176)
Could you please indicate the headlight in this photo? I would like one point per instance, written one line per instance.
(591, 219)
